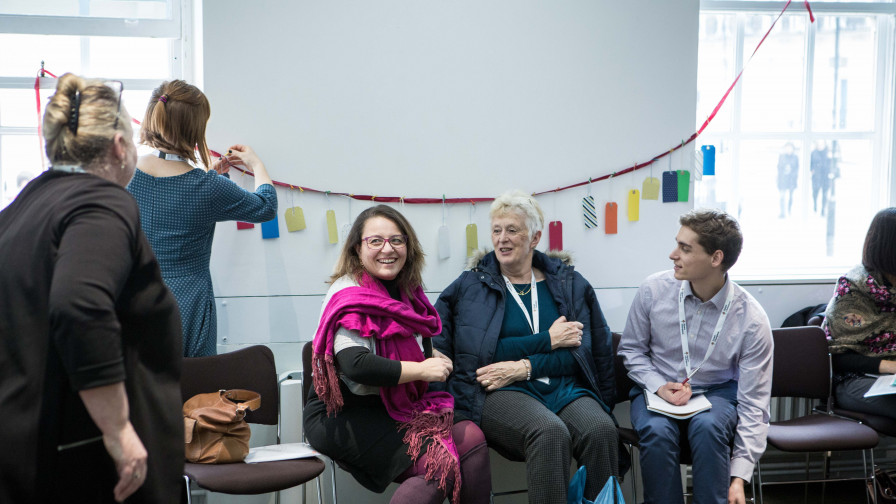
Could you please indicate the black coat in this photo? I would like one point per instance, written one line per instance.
(472, 311)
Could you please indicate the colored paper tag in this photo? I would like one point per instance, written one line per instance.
(472, 239)
(555, 235)
(610, 217)
(295, 219)
(244, 225)
(270, 229)
(444, 242)
(588, 212)
(709, 159)
(332, 232)
(684, 184)
(634, 205)
(670, 186)
(650, 189)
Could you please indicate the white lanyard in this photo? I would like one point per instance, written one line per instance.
(715, 335)
(167, 156)
(533, 320)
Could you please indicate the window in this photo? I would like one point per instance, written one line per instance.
(139, 42)
(804, 143)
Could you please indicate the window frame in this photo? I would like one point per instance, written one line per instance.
(882, 135)
(179, 29)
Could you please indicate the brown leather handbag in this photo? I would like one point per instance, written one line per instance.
(215, 428)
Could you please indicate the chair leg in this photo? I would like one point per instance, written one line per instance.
(634, 470)
(873, 476)
(759, 476)
(187, 489)
(333, 478)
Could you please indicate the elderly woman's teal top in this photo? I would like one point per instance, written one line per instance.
(553, 380)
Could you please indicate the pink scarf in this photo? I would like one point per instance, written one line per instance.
(370, 310)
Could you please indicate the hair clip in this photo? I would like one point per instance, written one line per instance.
(73, 117)
(163, 98)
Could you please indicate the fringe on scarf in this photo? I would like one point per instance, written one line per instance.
(326, 382)
(443, 459)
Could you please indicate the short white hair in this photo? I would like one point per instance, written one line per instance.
(517, 201)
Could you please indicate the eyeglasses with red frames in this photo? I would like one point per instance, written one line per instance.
(377, 242)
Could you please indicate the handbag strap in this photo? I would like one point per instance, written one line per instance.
(247, 398)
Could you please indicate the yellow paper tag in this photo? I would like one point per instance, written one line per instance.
(472, 239)
(634, 205)
(331, 227)
(651, 188)
(295, 219)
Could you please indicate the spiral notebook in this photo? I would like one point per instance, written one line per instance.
(695, 405)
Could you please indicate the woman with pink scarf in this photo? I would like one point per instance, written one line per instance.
(370, 408)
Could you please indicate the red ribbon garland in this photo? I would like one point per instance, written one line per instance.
(423, 201)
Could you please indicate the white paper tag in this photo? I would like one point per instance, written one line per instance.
(444, 243)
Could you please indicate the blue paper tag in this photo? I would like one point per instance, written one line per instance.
(670, 186)
(270, 229)
(709, 159)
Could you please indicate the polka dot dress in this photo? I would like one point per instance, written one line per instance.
(178, 215)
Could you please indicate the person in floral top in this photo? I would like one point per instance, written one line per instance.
(860, 321)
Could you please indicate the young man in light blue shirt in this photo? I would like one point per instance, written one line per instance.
(692, 330)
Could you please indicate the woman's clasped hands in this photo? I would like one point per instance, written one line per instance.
(565, 334)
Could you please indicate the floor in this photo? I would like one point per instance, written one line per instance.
(841, 492)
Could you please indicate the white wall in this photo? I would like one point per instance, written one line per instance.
(462, 98)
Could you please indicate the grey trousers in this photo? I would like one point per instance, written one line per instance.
(848, 395)
(521, 427)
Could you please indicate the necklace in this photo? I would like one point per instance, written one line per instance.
(524, 291)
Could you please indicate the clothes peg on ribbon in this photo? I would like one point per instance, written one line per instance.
(472, 234)
(294, 216)
(588, 211)
(444, 237)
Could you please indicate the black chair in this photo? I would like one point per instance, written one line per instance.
(882, 424)
(628, 436)
(802, 369)
(250, 368)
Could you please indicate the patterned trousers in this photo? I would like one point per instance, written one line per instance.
(521, 428)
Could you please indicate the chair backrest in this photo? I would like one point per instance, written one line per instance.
(306, 372)
(802, 363)
(250, 368)
(624, 384)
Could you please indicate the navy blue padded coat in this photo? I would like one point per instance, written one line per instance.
(472, 311)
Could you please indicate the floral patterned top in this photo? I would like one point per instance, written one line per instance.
(861, 317)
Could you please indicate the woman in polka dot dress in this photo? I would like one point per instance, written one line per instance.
(180, 202)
